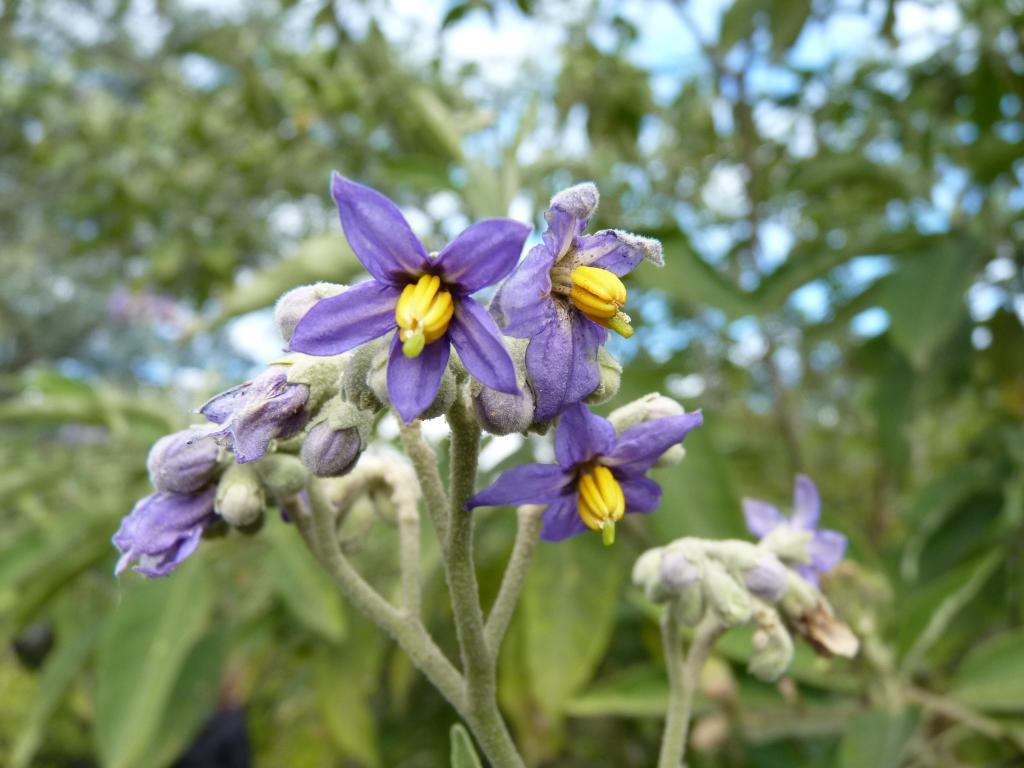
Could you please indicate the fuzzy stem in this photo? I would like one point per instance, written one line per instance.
(684, 679)
(409, 634)
(409, 560)
(529, 519)
(424, 461)
(477, 661)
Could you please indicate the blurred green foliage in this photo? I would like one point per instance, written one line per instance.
(163, 170)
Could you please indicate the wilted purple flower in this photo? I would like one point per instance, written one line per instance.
(563, 296)
(598, 478)
(182, 462)
(824, 548)
(162, 530)
(254, 413)
(427, 298)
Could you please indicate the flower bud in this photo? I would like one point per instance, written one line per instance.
(501, 413)
(790, 544)
(773, 647)
(579, 200)
(293, 305)
(677, 571)
(611, 377)
(182, 462)
(378, 381)
(729, 600)
(240, 498)
(282, 474)
(646, 572)
(767, 579)
(328, 452)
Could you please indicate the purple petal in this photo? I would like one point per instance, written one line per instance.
(483, 254)
(524, 484)
(343, 322)
(562, 361)
(478, 340)
(413, 381)
(220, 408)
(761, 517)
(568, 216)
(377, 232)
(639, 447)
(827, 549)
(642, 494)
(162, 530)
(581, 435)
(523, 305)
(618, 252)
(806, 503)
(562, 519)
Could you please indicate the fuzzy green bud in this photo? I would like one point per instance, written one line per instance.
(729, 600)
(240, 500)
(355, 385)
(773, 647)
(293, 305)
(282, 473)
(647, 408)
(611, 378)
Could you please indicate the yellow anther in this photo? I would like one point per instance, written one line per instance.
(600, 295)
(601, 501)
(422, 313)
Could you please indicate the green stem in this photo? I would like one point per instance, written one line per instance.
(424, 461)
(410, 635)
(683, 679)
(477, 660)
(529, 520)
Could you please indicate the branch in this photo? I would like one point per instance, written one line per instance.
(529, 519)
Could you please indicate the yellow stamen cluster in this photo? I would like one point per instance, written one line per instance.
(422, 312)
(601, 501)
(600, 295)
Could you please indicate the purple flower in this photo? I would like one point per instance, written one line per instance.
(817, 550)
(565, 294)
(162, 530)
(427, 298)
(598, 478)
(254, 413)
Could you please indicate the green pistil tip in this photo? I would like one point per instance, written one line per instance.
(621, 325)
(608, 533)
(413, 345)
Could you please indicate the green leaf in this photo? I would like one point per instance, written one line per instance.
(876, 739)
(925, 301)
(992, 675)
(463, 752)
(58, 675)
(305, 589)
(193, 700)
(738, 22)
(936, 608)
(786, 19)
(145, 643)
(346, 678)
(568, 609)
(640, 691)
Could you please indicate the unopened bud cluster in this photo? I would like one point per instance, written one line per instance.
(740, 583)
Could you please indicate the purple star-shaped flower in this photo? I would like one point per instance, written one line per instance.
(824, 548)
(565, 318)
(599, 476)
(163, 529)
(254, 413)
(426, 298)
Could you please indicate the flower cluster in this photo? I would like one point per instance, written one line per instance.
(535, 356)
